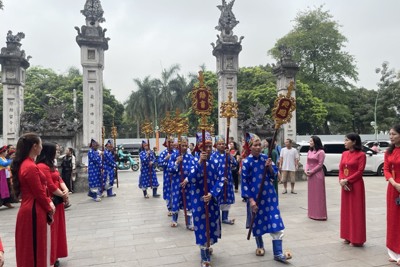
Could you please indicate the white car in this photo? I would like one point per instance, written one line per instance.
(333, 154)
(383, 144)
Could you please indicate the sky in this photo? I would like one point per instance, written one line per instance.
(147, 36)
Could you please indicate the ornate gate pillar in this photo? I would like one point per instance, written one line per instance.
(285, 71)
(13, 67)
(226, 50)
(92, 41)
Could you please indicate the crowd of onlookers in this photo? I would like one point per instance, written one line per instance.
(29, 175)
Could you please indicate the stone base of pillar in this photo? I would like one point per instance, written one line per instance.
(81, 181)
(300, 175)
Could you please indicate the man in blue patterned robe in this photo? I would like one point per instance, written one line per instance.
(267, 215)
(179, 167)
(94, 171)
(163, 160)
(220, 155)
(147, 170)
(200, 199)
(109, 168)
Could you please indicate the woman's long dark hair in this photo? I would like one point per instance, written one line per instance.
(47, 155)
(395, 128)
(235, 146)
(355, 138)
(24, 146)
(317, 143)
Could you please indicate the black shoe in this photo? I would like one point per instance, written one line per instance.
(57, 263)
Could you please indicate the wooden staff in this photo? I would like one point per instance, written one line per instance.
(147, 129)
(282, 113)
(103, 130)
(114, 134)
(168, 127)
(202, 100)
(182, 126)
(228, 110)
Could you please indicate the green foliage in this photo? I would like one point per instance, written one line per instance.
(387, 96)
(156, 96)
(318, 46)
(44, 86)
(255, 85)
(310, 111)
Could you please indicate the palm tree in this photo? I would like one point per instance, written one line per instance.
(141, 103)
(181, 89)
(166, 101)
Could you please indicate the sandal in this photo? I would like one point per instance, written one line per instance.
(146, 196)
(346, 242)
(169, 213)
(260, 252)
(205, 264)
(190, 227)
(284, 192)
(231, 222)
(174, 224)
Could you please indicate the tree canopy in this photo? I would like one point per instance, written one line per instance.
(318, 46)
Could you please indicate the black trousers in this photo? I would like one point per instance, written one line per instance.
(67, 178)
(235, 176)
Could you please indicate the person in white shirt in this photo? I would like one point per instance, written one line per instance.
(288, 164)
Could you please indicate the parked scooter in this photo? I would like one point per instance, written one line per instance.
(126, 161)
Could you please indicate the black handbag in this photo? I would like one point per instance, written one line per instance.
(57, 200)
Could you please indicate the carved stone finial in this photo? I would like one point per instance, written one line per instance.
(286, 52)
(227, 21)
(15, 38)
(93, 12)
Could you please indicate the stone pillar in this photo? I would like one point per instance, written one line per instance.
(13, 68)
(285, 71)
(226, 50)
(92, 41)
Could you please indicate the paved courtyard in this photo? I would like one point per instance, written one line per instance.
(129, 231)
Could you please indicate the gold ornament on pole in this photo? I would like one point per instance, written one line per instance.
(167, 125)
(229, 109)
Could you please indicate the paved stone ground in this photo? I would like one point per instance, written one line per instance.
(129, 231)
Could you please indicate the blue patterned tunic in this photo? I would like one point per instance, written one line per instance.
(174, 170)
(94, 170)
(215, 184)
(144, 180)
(268, 218)
(221, 158)
(162, 162)
(109, 165)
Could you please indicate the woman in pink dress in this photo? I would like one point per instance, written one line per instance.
(352, 210)
(316, 180)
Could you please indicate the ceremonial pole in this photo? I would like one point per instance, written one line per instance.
(167, 126)
(147, 129)
(202, 100)
(114, 135)
(228, 110)
(103, 131)
(284, 105)
(182, 126)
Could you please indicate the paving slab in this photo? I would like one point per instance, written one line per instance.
(129, 230)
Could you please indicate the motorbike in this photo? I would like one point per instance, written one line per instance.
(126, 162)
